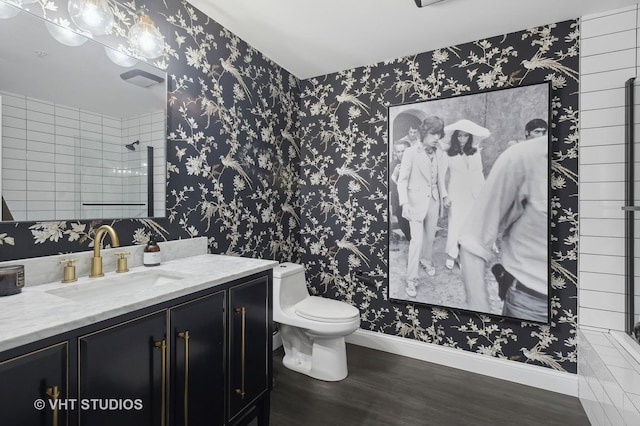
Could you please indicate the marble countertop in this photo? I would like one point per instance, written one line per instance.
(37, 313)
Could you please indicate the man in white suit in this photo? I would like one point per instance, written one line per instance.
(422, 193)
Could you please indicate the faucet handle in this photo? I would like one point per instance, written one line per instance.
(69, 271)
(122, 261)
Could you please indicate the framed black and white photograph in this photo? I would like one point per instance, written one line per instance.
(468, 202)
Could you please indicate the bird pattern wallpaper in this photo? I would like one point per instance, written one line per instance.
(268, 166)
(344, 134)
(232, 161)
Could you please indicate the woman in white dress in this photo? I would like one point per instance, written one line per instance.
(464, 163)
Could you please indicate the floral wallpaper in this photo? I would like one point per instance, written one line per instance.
(268, 166)
(343, 190)
(232, 159)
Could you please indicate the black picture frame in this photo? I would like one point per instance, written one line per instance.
(505, 112)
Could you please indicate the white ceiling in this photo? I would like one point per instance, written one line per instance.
(313, 38)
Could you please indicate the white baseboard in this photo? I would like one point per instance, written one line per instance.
(513, 371)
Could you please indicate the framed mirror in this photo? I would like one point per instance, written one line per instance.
(83, 127)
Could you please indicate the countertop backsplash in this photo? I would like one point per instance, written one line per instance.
(47, 269)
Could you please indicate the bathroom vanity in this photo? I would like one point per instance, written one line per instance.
(187, 342)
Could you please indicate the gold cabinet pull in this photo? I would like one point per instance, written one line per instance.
(54, 393)
(185, 336)
(242, 311)
(162, 345)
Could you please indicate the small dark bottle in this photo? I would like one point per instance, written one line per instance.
(151, 256)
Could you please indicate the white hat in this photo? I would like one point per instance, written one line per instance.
(468, 127)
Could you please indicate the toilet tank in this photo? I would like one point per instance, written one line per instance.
(289, 284)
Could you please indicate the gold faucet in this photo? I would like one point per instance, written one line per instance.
(96, 261)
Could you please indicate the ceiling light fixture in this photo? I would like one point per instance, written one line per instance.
(8, 11)
(93, 16)
(65, 35)
(120, 58)
(423, 3)
(145, 38)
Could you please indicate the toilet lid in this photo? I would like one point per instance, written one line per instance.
(326, 310)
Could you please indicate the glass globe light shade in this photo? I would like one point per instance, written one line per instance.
(119, 58)
(65, 35)
(8, 11)
(93, 16)
(145, 37)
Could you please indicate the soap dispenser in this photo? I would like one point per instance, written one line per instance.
(151, 256)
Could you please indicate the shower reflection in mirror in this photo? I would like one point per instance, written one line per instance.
(75, 141)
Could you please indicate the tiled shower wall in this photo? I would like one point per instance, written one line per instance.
(149, 129)
(58, 160)
(608, 59)
(609, 376)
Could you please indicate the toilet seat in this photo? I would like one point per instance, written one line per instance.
(326, 310)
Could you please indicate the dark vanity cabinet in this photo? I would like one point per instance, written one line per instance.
(197, 367)
(200, 359)
(32, 386)
(177, 377)
(125, 363)
(249, 349)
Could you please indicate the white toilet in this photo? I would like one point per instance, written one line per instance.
(312, 328)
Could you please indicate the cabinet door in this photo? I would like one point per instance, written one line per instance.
(127, 364)
(249, 338)
(197, 368)
(37, 376)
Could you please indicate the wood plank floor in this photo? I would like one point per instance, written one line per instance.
(391, 390)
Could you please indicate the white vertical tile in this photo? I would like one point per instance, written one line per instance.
(14, 100)
(619, 59)
(601, 319)
(14, 132)
(609, 191)
(70, 123)
(47, 128)
(601, 210)
(14, 185)
(13, 122)
(613, 302)
(39, 214)
(601, 282)
(42, 107)
(14, 155)
(597, 25)
(602, 154)
(87, 117)
(606, 80)
(14, 143)
(34, 117)
(602, 246)
(13, 112)
(621, 40)
(602, 99)
(611, 172)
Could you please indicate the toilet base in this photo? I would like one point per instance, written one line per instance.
(319, 357)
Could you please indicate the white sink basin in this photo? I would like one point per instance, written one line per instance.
(115, 285)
